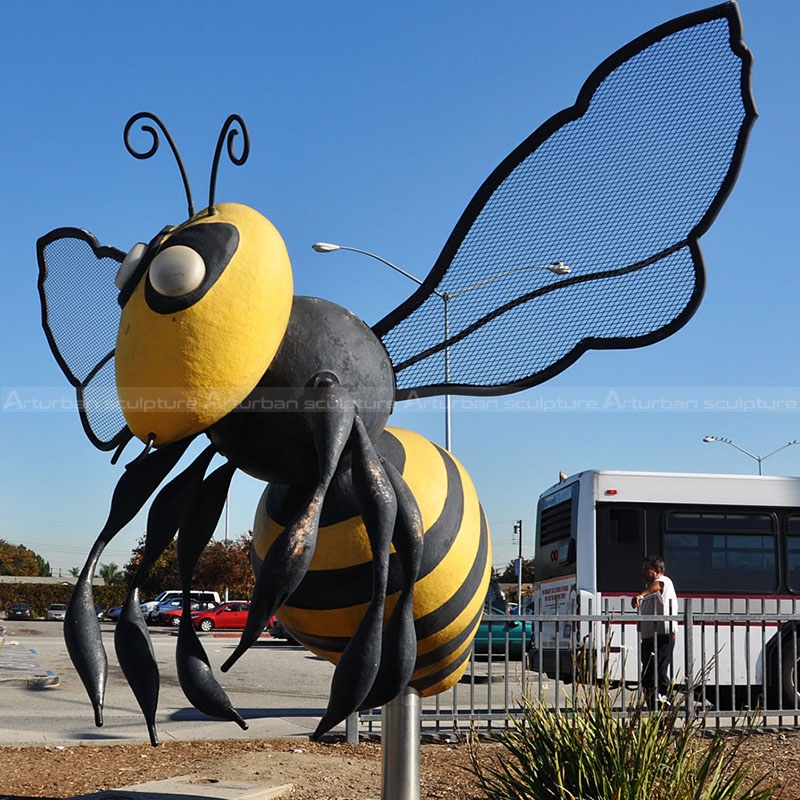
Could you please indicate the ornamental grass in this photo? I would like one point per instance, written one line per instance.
(592, 751)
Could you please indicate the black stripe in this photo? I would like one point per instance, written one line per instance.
(430, 680)
(440, 537)
(323, 590)
(391, 448)
(440, 618)
(427, 659)
(333, 644)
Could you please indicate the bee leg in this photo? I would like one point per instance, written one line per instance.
(136, 658)
(131, 637)
(358, 665)
(287, 560)
(81, 626)
(399, 648)
(194, 670)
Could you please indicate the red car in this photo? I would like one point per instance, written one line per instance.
(232, 614)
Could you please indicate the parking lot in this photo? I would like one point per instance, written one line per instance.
(279, 689)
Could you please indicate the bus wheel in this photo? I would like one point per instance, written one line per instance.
(721, 697)
(730, 698)
(790, 669)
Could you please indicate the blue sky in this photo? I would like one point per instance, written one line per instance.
(372, 126)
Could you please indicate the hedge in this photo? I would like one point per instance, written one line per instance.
(40, 595)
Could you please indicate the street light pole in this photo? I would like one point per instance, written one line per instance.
(518, 532)
(557, 268)
(759, 459)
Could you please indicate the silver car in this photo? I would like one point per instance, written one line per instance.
(56, 612)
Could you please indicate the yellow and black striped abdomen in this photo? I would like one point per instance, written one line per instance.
(325, 609)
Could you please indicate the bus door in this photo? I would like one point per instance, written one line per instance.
(622, 546)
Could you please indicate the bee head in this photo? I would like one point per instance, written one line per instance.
(205, 306)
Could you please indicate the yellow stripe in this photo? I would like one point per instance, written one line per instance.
(425, 473)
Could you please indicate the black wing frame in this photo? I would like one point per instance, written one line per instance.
(619, 188)
(80, 317)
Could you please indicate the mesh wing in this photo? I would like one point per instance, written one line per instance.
(619, 187)
(80, 317)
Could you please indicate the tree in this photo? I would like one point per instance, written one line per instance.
(227, 563)
(75, 571)
(509, 575)
(16, 559)
(221, 565)
(44, 566)
(111, 574)
(162, 575)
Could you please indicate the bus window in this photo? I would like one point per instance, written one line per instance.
(620, 547)
(714, 552)
(555, 551)
(556, 522)
(793, 555)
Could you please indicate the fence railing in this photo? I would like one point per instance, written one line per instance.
(724, 664)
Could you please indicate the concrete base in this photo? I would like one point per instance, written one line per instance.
(187, 788)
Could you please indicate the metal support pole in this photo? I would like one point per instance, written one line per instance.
(400, 721)
(351, 728)
(688, 638)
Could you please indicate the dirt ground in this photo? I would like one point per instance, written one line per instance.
(318, 771)
(334, 771)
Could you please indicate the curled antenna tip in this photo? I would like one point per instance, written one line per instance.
(227, 136)
(151, 151)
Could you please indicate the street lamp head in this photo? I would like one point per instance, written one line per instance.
(559, 268)
(325, 247)
(709, 438)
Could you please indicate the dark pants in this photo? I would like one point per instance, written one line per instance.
(656, 655)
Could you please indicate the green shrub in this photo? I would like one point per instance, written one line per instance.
(40, 595)
(590, 751)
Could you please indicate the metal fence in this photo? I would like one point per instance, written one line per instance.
(729, 661)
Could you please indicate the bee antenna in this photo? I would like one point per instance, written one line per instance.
(146, 115)
(228, 132)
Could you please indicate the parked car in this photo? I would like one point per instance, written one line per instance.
(232, 614)
(276, 630)
(20, 611)
(162, 597)
(517, 632)
(172, 617)
(169, 613)
(112, 613)
(56, 612)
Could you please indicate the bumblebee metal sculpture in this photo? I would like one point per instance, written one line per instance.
(370, 542)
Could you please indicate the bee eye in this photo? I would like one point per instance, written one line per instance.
(177, 270)
(129, 264)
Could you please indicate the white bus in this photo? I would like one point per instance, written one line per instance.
(731, 544)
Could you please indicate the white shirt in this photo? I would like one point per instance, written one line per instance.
(664, 602)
